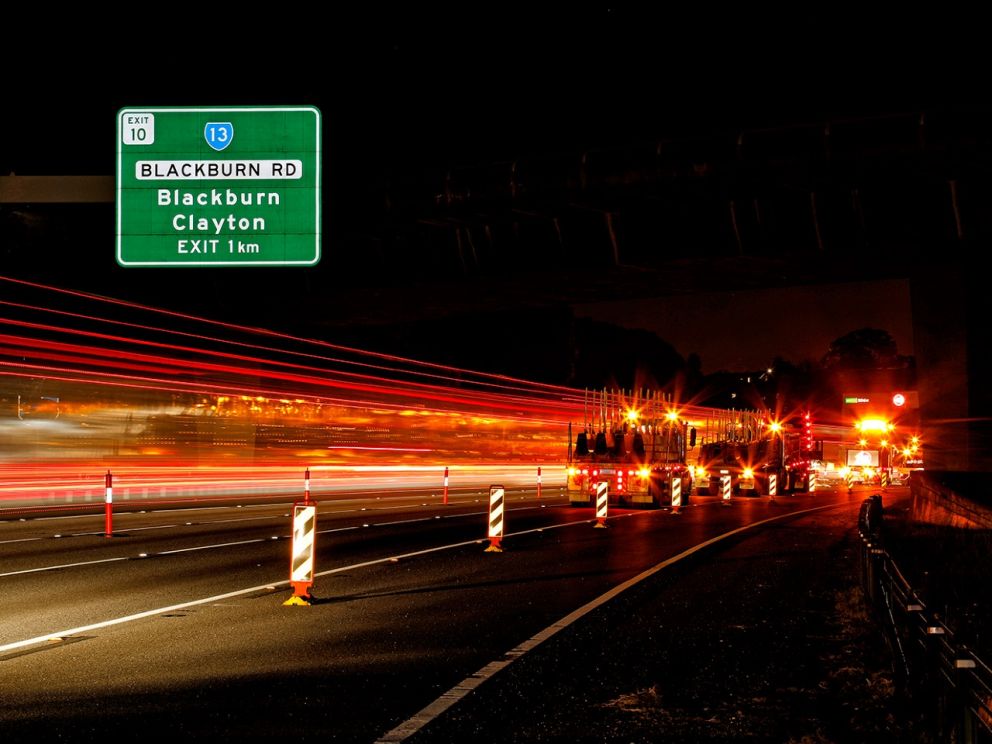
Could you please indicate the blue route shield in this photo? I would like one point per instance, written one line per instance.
(218, 134)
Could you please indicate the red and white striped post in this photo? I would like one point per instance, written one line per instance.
(108, 506)
(772, 486)
(676, 494)
(602, 503)
(725, 489)
(538, 481)
(445, 485)
(306, 487)
(496, 498)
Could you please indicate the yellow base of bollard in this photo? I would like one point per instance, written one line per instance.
(676, 511)
(298, 601)
(493, 548)
(600, 524)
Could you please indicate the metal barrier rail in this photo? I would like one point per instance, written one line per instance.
(942, 675)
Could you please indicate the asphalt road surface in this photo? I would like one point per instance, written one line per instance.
(175, 627)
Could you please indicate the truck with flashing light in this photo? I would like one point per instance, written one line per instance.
(865, 466)
(752, 455)
(636, 444)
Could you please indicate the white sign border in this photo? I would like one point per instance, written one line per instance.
(212, 109)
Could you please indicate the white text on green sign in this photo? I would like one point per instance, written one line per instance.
(238, 186)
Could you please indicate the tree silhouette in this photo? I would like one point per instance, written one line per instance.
(865, 348)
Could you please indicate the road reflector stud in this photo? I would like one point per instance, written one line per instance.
(497, 496)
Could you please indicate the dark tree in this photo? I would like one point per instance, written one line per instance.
(608, 355)
(865, 348)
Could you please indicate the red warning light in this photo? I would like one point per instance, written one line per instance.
(807, 438)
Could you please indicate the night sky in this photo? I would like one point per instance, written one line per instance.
(415, 87)
(415, 91)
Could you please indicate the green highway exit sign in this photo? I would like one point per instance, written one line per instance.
(224, 186)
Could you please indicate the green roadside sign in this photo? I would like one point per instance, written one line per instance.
(218, 186)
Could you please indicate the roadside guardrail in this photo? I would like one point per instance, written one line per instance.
(941, 673)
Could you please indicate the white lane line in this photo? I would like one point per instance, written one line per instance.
(231, 544)
(127, 529)
(22, 539)
(335, 529)
(465, 515)
(192, 508)
(241, 519)
(404, 521)
(59, 634)
(64, 565)
(412, 725)
(211, 547)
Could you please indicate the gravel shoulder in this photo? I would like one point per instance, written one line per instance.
(765, 638)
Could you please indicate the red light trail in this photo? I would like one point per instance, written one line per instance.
(82, 392)
(178, 413)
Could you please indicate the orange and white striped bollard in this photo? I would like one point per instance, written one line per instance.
(301, 560)
(602, 503)
(496, 502)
